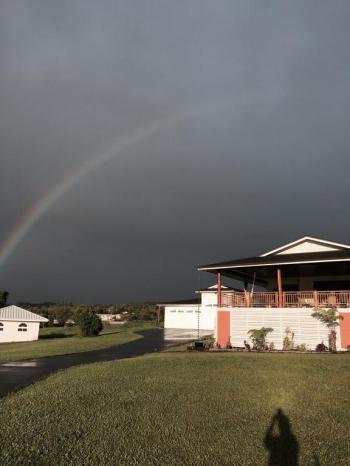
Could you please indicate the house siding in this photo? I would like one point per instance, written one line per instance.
(307, 330)
(10, 331)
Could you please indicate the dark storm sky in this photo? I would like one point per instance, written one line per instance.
(234, 180)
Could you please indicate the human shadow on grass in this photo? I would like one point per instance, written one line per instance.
(282, 446)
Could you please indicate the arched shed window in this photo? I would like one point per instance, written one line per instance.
(1, 327)
(22, 327)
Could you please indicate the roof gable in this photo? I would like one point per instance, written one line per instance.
(17, 314)
(215, 287)
(307, 244)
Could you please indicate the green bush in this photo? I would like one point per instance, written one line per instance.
(288, 341)
(258, 337)
(90, 324)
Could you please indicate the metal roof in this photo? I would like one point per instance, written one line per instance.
(188, 302)
(17, 314)
(300, 258)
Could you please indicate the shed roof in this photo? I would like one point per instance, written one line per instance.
(17, 314)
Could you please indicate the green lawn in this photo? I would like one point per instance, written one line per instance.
(64, 340)
(181, 409)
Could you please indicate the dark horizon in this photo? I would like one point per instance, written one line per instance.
(256, 153)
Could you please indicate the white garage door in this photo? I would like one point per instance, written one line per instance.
(189, 318)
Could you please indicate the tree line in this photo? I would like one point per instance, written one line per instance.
(62, 313)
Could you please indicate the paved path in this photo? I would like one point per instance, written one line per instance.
(17, 374)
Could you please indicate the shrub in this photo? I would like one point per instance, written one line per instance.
(321, 348)
(90, 324)
(210, 340)
(258, 337)
(330, 317)
(288, 341)
(301, 347)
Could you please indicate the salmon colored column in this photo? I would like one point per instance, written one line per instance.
(345, 329)
(223, 328)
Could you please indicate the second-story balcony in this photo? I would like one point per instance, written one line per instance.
(340, 299)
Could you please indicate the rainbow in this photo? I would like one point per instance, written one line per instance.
(43, 205)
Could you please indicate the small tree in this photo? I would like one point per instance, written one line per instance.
(3, 298)
(258, 337)
(51, 315)
(330, 318)
(62, 314)
(90, 324)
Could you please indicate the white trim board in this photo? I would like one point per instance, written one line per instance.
(328, 245)
(218, 267)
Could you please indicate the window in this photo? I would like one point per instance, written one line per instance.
(22, 327)
(1, 327)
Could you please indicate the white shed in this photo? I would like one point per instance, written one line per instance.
(17, 324)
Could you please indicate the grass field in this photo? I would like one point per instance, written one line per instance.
(182, 409)
(64, 340)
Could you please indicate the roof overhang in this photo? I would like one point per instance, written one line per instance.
(306, 256)
(260, 269)
(218, 267)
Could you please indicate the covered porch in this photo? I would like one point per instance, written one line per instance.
(286, 280)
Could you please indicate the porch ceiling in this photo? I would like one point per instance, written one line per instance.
(264, 273)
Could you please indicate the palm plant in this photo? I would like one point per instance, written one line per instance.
(258, 337)
(330, 317)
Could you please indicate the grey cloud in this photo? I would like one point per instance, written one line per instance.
(270, 166)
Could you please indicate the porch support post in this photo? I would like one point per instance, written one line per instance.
(279, 288)
(247, 298)
(219, 290)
